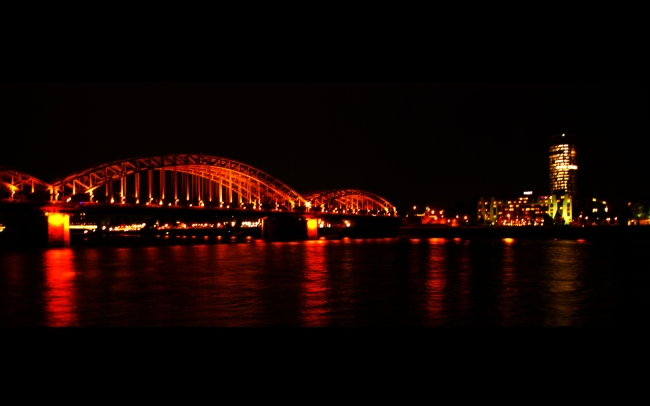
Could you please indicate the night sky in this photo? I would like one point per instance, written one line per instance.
(412, 143)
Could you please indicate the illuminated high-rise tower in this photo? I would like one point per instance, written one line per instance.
(563, 165)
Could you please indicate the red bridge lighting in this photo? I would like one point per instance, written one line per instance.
(198, 180)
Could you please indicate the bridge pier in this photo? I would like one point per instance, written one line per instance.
(58, 229)
(38, 229)
(312, 228)
(289, 228)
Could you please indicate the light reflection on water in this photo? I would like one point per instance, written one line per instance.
(565, 293)
(315, 307)
(436, 281)
(60, 293)
(374, 282)
(508, 290)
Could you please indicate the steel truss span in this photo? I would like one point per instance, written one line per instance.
(16, 185)
(349, 200)
(187, 180)
(182, 179)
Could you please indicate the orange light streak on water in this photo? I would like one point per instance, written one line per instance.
(508, 292)
(315, 290)
(61, 297)
(435, 285)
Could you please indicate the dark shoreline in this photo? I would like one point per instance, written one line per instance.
(220, 236)
(552, 232)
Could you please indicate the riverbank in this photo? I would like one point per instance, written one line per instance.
(212, 236)
(553, 232)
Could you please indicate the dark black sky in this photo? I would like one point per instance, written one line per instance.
(413, 143)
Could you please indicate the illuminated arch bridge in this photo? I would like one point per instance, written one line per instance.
(348, 200)
(14, 183)
(189, 180)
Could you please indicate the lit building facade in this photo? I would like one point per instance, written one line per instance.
(526, 210)
(563, 165)
(597, 213)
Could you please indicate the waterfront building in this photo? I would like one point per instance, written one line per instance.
(433, 217)
(597, 212)
(639, 213)
(526, 210)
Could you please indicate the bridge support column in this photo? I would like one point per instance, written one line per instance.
(58, 230)
(285, 229)
(312, 229)
(35, 228)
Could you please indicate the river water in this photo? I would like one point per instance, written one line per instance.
(349, 282)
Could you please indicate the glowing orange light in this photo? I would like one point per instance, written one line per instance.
(312, 228)
(58, 229)
(508, 240)
(55, 219)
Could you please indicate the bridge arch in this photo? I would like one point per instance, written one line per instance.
(349, 200)
(178, 179)
(16, 184)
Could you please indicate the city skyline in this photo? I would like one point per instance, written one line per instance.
(426, 143)
(294, 204)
